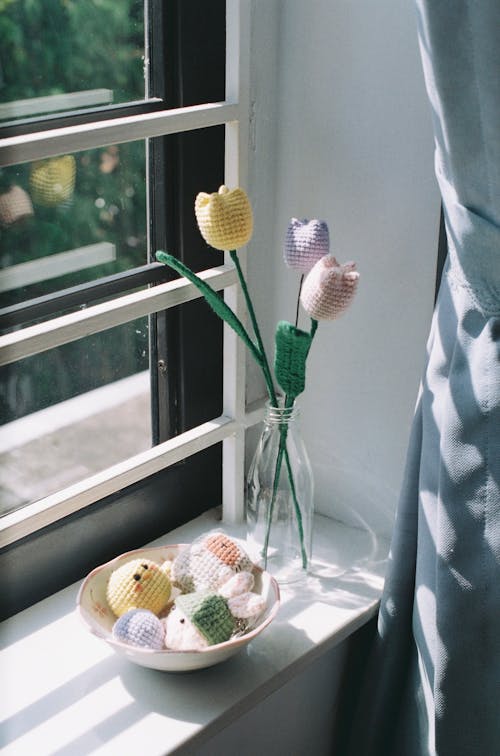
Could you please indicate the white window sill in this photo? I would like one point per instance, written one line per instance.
(66, 692)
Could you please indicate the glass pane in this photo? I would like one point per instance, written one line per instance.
(72, 411)
(58, 55)
(71, 219)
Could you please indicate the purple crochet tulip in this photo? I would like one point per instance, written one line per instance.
(329, 288)
(306, 242)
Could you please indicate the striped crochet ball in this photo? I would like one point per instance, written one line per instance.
(208, 563)
(329, 288)
(138, 584)
(140, 627)
(306, 242)
(224, 218)
(210, 615)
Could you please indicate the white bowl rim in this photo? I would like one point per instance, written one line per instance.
(232, 642)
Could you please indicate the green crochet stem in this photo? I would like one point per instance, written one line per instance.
(298, 513)
(258, 352)
(214, 300)
(289, 401)
(282, 450)
(277, 471)
(265, 364)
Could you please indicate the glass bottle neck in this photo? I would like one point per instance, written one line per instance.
(280, 415)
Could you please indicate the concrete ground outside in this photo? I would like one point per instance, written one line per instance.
(56, 459)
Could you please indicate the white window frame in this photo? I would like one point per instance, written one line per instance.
(53, 103)
(230, 426)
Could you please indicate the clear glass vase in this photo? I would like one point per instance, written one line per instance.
(279, 498)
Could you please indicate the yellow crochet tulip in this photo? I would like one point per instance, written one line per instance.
(224, 218)
(53, 181)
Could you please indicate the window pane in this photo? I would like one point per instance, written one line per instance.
(71, 219)
(60, 55)
(72, 411)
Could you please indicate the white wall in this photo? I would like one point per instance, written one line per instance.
(341, 131)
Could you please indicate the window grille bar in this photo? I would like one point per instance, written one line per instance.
(52, 508)
(230, 427)
(80, 117)
(236, 163)
(83, 294)
(48, 335)
(55, 265)
(36, 146)
(51, 103)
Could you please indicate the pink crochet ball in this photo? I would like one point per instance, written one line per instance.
(306, 242)
(329, 288)
(15, 205)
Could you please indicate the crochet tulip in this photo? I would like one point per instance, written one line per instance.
(329, 288)
(224, 218)
(225, 222)
(306, 242)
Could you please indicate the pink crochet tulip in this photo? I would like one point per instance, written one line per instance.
(305, 243)
(329, 288)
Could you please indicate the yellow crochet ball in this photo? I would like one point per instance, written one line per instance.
(224, 218)
(138, 584)
(53, 181)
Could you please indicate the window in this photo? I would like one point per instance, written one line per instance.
(100, 162)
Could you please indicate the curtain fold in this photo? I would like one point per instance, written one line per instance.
(433, 684)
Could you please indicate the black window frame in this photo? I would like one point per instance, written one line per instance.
(187, 339)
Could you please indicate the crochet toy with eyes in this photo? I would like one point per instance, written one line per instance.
(140, 627)
(208, 563)
(139, 584)
(204, 618)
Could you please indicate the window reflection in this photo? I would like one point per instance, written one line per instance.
(71, 219)
(58, 55)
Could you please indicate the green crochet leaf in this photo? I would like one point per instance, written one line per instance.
(214, 300)
(292, 348)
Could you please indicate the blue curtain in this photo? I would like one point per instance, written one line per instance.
(433, 684)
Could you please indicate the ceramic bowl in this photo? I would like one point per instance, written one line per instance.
(95, 613)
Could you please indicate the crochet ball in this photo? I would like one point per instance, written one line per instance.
(208, 563)
(15, 205)
(52, 182)
(138, 584)
(197, 620)
(140, 627)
